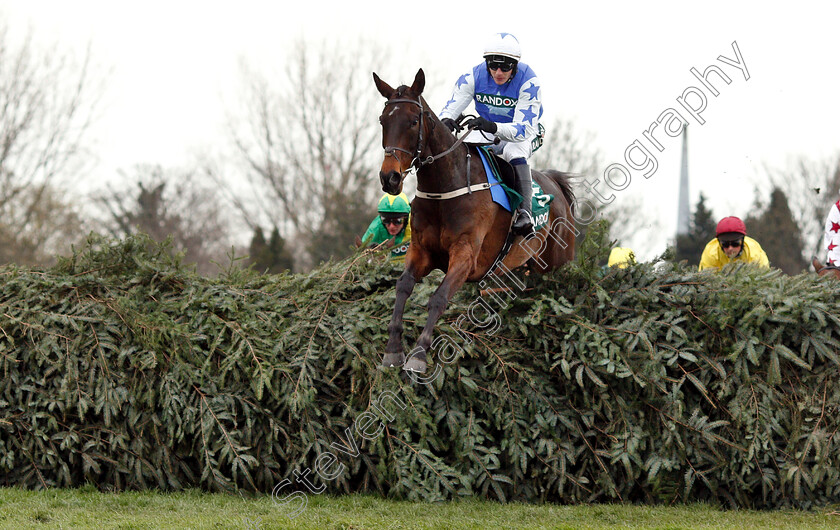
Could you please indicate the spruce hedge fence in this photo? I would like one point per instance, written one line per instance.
(122, 368)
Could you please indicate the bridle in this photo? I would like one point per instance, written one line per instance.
(830, 268)
(416, 161)
(415, 156)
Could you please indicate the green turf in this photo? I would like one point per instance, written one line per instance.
(88, 508)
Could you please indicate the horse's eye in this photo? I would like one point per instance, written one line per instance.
(414, 122)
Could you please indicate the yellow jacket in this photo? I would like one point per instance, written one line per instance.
(714, 256)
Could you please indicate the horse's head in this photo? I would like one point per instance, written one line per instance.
(825, 270)
(403, 130)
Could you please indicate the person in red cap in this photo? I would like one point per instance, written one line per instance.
(732, 244)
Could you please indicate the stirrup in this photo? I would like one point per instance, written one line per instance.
(523, 229)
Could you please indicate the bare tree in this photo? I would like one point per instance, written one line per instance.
(48, 101)
(171, 203)
(811, 187)
(570, 148)
(54, 226)
(308, 138)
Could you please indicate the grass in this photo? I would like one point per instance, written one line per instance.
(88, 508)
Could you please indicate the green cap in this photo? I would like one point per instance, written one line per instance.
(394, 204)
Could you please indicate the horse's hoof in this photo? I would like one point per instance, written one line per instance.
(415, 365)
(393, 360)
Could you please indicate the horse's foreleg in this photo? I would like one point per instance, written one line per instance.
(459, 270)
(394, 355)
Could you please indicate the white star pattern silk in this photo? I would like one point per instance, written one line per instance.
(520, 109)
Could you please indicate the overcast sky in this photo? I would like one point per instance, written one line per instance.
(613, 67)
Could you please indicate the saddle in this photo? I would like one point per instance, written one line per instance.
(499, 167)
(500, 174)
(500, 171)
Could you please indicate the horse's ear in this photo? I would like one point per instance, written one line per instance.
(816, 263)
(383, 87)
(419, 82)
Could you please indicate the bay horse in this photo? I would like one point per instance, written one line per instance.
(825, 270)
(462, 231)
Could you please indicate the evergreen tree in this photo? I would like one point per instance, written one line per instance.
(257, 251)
(346, 215)
(281, 258)
(170, 202)
(778, 234)
(702, 229)
(270, 257)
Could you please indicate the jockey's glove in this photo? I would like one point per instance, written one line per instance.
(482, 124)
(450, 124)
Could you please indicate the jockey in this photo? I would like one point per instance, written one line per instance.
(391, 223)
(732, 244)
(506, 93)
(831, 241)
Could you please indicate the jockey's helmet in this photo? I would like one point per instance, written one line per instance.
(504, 44)
(730, 228)
(621, 257)
(394, 205)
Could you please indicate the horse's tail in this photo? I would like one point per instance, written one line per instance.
(562, 180)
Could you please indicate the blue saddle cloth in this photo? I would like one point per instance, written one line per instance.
(502, 194)
(497, 189)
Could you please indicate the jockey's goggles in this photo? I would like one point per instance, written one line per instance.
(398, 221)
(500, 62)
(734, 244)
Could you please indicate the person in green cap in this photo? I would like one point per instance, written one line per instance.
(391, 224)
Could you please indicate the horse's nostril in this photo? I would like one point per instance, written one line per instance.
(390, 177)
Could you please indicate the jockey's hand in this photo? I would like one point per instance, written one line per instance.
(482, 125)
(450, 124)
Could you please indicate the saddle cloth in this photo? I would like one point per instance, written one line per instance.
(508, 198)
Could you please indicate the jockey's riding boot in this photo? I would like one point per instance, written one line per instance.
(524, 223)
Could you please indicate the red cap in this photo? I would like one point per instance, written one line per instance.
(731, 224)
